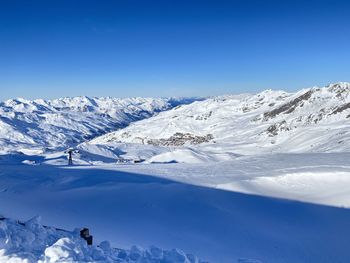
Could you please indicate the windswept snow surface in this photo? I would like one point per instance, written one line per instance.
(39, 124)
(183, 205)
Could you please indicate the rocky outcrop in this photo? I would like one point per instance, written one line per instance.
(289, 106)
(341, 108)
(274, 129)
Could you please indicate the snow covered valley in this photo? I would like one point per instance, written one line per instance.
(261, 178)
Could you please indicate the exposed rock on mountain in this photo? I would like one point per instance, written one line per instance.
(289, 106)
(315, 119)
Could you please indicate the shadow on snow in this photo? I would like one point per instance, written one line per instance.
(217, 225)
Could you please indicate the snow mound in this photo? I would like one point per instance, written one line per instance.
(188, 155)
(118, 152)
(32, 242)
(179, 156)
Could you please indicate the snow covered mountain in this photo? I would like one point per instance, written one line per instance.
(220, 211)
(60, 123)
(311, 120)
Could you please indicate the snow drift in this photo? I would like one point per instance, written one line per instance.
(33, 242)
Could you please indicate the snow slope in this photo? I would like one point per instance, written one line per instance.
(311, 120)
(183, 205)
(39, 124)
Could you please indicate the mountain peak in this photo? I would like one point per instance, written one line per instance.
(339, 87)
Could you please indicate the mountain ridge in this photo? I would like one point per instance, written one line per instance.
(60, 123)
(314, 119)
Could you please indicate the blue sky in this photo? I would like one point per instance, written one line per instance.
(127, 48)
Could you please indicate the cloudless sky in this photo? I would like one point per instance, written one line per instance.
(57, 48)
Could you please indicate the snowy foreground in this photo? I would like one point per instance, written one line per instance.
(185, 206)
(33, 242)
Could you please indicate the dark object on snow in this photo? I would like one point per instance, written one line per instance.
(70, 159)
(70, 155)
(84, 233)
(139, 161)
(122, 160)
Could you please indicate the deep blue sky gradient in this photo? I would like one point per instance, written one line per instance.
(124, 48)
